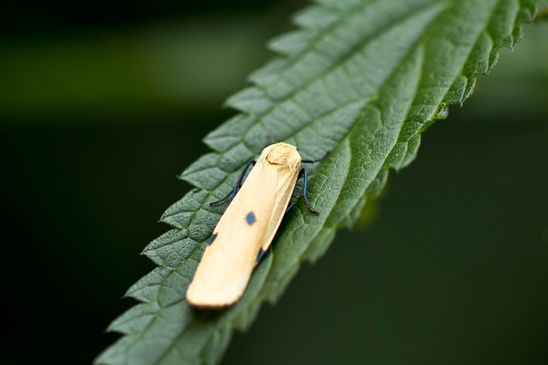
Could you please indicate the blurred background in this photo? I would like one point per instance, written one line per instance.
(102, 105)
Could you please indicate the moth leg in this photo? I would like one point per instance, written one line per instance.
(229, 196)
(260, 255)
(232, 193)
(292, 202)
(305, 189)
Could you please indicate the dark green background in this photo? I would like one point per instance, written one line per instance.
(452, 270)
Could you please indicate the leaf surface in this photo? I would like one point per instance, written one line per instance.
(362, 78)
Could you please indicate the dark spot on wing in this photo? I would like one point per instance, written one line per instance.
(260, 254)
(212, 238)
(250, 218)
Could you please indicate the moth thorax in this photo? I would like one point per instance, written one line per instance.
(283, 154)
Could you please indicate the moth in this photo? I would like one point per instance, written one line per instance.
(246, 229)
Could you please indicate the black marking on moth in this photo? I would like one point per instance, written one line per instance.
(260, 254)
(211, 239)
(250, 218)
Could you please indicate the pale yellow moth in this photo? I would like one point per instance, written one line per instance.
(247, 228)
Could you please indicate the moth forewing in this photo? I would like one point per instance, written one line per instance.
(246, 229)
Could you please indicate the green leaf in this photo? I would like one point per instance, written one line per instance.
(363, 79)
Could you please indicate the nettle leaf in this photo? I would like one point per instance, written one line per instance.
(362, 78)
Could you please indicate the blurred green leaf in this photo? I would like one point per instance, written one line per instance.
(526, 69)
(361, 78)
(131, 74)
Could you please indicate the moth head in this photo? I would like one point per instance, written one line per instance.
(283, 155)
